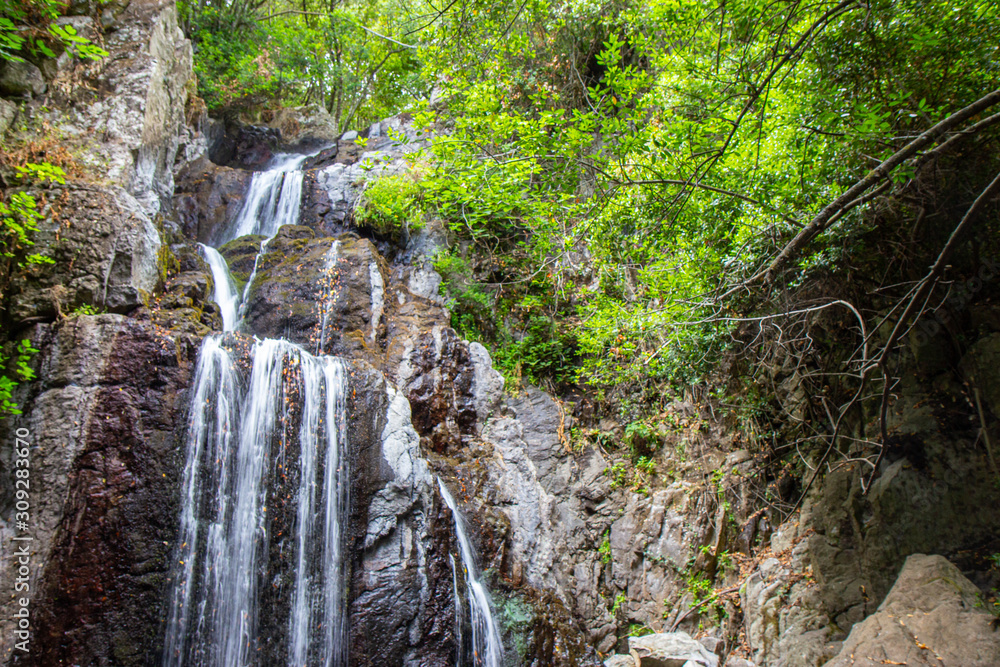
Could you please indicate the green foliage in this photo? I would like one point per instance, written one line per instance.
(619, 474)
(700, 587)
(605, 549)
(27, 28)
(646, 465)
(391, 206)
(537, 349)
(620, 601)
(22, 372)
(19, 216)
(695, 142)
(84, 309)
(638, 630)
(251, 55)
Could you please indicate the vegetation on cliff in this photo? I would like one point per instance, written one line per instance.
(646, 188)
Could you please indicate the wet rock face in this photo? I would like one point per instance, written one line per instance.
(449, 387)
(244, 146)
(301, 283)
(104, 421)
(208, 197)
(106, 252)
(241, 255)
(401, 607)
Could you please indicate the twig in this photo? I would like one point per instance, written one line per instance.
(822, 219)
(985, 432)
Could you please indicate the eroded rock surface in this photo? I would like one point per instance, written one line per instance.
(106, 252)
(932, 615)
(103, 423)
(208, 197)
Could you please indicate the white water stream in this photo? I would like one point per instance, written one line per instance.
(487, 648)
(241, 447)
(272, 200)
(225, 289)
(260, 570)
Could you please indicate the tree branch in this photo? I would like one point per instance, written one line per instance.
(822, 219)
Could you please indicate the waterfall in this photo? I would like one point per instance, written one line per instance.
(250, 475)
(225, 289)
(253, 274)
(272, 200)
(487, 649)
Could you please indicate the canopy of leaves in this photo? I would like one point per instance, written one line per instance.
(629, 168)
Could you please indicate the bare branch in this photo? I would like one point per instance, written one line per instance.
(822, 219)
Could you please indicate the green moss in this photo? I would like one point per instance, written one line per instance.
(517, 619)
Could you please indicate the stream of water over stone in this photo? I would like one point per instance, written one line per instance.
(487, 648)
(244, 457)
(261, 574)
(266, 474)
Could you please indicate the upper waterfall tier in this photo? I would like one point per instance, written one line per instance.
(271, 200)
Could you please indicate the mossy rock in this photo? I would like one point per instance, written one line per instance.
(241, 254)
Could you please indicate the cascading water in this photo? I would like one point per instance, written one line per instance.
(329, 291)
(250, 474)
(259, 577)
(225, 289)
(487, 648)
(272, 200)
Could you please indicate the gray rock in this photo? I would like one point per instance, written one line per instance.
(8, 112)
(131, 138)
(716, 645)
(620, 661)
(18, 79)
(309, 122)
(739, 662)
(106, 253)
(671, 649)
(931, 617)
(208, 197)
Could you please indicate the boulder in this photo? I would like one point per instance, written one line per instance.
(244, 146)
(208, 197)
(8, 112)
(308, 124)
(18, 79)
(671, 649)
(106, 252)
(933, 616)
